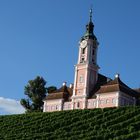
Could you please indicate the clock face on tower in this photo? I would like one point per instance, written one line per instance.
(83, 44)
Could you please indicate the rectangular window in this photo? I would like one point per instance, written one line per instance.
(81, 79)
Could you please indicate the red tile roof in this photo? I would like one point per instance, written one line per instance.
(102, 80)
(63, 93)
(103, 85)
(117, 85)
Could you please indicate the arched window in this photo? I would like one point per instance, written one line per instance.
(113, 100)
(93, 52)
(78, 105)
(83, 50)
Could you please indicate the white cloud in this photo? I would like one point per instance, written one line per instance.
(10, 106)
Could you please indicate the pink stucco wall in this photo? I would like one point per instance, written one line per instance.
(107, 102)
(67, 106)
(104, 100)
(91, 103)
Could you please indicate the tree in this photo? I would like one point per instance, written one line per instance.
(36, 92)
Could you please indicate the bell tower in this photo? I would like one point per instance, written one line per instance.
(86, 69)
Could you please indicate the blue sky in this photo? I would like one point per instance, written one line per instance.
(40, 37)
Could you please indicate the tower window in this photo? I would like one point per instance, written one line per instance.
(93, 52)
(81, 79)
(82, 60)
(93, 60)
(83, 50)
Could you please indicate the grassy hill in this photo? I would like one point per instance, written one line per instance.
(98, 124)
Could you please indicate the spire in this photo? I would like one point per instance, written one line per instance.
(90, 15)
(89, 28)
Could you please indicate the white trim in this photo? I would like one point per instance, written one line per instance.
(44, 107)
(79, 55)
(75, 79)
(117, 99)
(78, 96)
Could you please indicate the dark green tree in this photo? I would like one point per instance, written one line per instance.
(36, 92)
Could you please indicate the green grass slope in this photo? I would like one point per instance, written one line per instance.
(97, 124)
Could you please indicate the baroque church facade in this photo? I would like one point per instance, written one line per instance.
(90, 89)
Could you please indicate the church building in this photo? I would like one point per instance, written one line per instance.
(90, 89)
